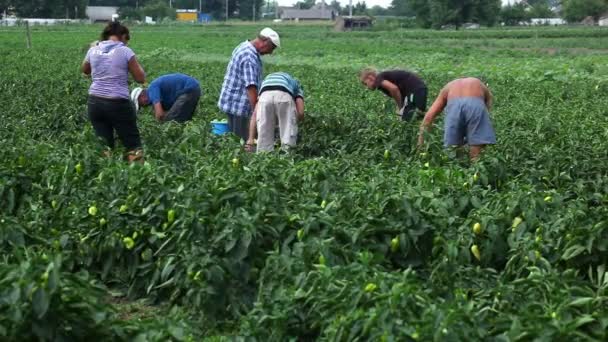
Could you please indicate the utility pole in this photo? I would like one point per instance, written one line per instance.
(28, 37)
(323, 9)
(200, 6)
(170, 4)
(350, 8)
(253, 10)
(226, 10)
(265, 13)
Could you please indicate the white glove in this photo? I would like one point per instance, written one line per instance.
(402, 110)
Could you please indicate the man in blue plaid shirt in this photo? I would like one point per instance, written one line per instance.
(239, 94)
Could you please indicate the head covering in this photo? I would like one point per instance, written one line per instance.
(272, 35)
(135, 97)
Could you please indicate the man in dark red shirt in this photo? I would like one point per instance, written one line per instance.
(405, 87)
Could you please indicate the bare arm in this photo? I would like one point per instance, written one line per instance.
(435, 110)
(86, 64)
(394, 91)
(299, 108)
(252, 94)
(86, 68)
(159, 112)
(136, 70)
(488, 97)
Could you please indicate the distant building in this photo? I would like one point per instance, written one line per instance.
(204, 17)
(101, 13)
(603, 20)
(588, 21)
(547, 21)
(307, 14)
(353, 23)
(187, 15)
(319, 11)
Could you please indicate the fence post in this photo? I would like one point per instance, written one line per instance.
(28, 36)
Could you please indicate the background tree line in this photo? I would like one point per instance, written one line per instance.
(427, 13)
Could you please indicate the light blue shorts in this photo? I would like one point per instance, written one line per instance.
(467, 121)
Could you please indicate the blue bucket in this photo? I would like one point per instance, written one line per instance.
(219, 128)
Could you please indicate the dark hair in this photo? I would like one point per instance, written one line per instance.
(114, 28)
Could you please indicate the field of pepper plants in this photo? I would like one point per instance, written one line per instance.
(353, 236)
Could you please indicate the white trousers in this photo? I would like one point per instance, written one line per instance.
(276, 106)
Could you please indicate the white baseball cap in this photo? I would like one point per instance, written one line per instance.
(135, 97)
(272, 35)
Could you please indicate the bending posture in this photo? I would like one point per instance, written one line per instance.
(405, 87)
(109, 108)
(282, 100)
(174, 97)
(239, 94)
(467, 102)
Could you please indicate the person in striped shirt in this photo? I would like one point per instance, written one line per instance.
(239, 94)
(281, 100)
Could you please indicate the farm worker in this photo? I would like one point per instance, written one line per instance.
(405, 87)
(109, 108)
(239, 94)
(467, 102)
(281, 100)
(174, 97)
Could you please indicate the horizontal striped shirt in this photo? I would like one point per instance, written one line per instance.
(244, 70)
(282, 81)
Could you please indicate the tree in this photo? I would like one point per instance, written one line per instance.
(514, 14)
(246, 9)
(185, 4)
(421, 9)
(541, 11)
(577, 10)
(335, 5)
(269, 9)
(379, 10)
(119, 3)
(158, 10)
(487, 12)
(436, 13)
(360, 8)
(131, 13)
(305, 4)
(72, 9)
(402, 8)
(4, 5)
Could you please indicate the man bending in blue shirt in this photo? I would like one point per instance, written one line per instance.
(174, 97)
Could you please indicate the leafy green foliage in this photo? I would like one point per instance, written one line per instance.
(42, 301)
(437, 13)
(158, 10)
(354, 234)
(577, 10)
(46, 9)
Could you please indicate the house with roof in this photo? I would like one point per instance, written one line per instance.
(603, 21)
(318, 12)
(101, 13)
(353, 23)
